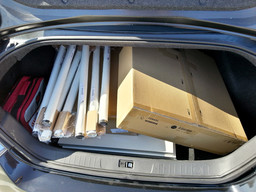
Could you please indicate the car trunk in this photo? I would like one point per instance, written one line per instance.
(237, 72)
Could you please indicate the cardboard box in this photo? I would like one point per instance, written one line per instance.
(177, 96)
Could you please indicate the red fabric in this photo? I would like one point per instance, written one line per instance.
(24, 88)
(28, 102)
(18, 115)
(21, 97)
(16, 92)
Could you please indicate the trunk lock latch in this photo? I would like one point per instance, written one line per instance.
(125, 164)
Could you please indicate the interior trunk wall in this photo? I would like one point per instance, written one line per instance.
(240, 78)
(37, 63)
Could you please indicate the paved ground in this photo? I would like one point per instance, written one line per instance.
(6, 184)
